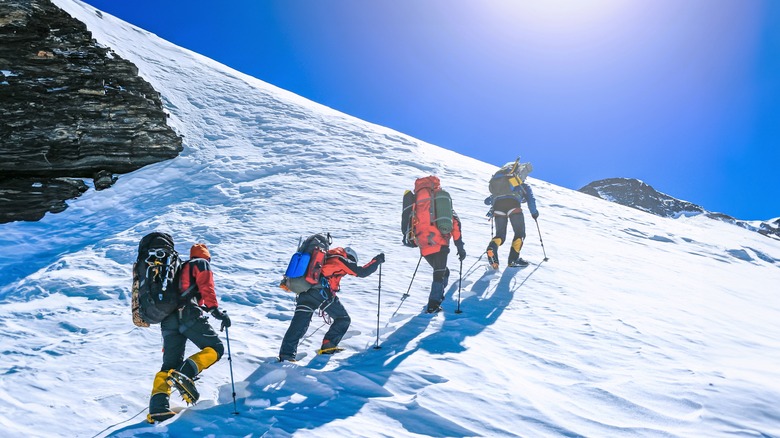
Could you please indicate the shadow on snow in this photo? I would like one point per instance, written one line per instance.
(282, 398)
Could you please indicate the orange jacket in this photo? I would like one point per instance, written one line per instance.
(432, 241)
(337, 265)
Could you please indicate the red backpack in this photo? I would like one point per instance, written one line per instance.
(431, 215)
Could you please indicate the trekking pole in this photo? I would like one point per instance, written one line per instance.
(471, 269)
(230, 361)
(406, 295)
(540, 240)
(460, 285)
(378, 301)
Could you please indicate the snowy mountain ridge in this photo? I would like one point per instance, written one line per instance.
(636, 326)
(632, 192)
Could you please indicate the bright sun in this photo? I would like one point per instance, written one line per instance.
(553, 15)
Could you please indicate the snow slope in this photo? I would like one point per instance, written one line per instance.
(636, 326)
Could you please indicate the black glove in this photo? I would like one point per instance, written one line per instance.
(461, 252)
(222, 316)
(380, 258)
(535, 215)
(489, 200)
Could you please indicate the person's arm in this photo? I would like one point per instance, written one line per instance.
(457, 236)
(367, 269)
(529, 197)
(455, 226)
(201, 271)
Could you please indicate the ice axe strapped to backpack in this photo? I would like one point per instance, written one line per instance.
(305, 268)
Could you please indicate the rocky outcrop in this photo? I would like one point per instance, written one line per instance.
(637, 194)
(36, 197)
(770, 228)
(69, 107)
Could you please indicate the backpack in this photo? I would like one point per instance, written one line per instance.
(155, 279)
(505, 181)
(432, 206)
(305, 268)
(406, 220)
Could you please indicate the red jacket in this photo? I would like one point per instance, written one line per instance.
(337, 265)
(431, 240)
(199, 270)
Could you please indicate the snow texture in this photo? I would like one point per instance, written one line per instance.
(636, 326)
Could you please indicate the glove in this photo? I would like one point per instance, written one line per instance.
(380, 258)
(535, 215)
(461, 251)
(222, 316)
(489, 200)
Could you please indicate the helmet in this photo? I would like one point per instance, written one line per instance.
(351, 254)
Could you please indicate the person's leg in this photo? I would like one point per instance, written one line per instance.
(173, 356)
(438, 261)
(340, 324)
(500, 219)
(518, 226)
(306, 304)
(202, 334)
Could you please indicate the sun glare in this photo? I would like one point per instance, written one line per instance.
(552, 15)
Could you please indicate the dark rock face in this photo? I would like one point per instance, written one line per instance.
(634, 193)
(770, 229)
(35, 197)
(70, 107)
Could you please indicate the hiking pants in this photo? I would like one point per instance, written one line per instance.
(509, 211)
(187, 323)
(441, 275)
(306, 304)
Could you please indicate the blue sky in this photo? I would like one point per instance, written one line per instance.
(684, 95)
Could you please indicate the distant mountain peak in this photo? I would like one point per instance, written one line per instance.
(632, 192)
(635, 193)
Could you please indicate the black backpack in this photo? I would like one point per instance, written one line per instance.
(506, 180)
(156, 279)
(407, 214)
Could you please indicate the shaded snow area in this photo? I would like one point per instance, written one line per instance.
(636, 326)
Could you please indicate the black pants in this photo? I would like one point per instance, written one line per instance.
(441, 276)
(506, 211)
(306, 304)
(187, 323)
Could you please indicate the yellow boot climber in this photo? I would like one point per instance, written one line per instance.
(183, 378)
(514, 254)
(159, 409)
(492, 252)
